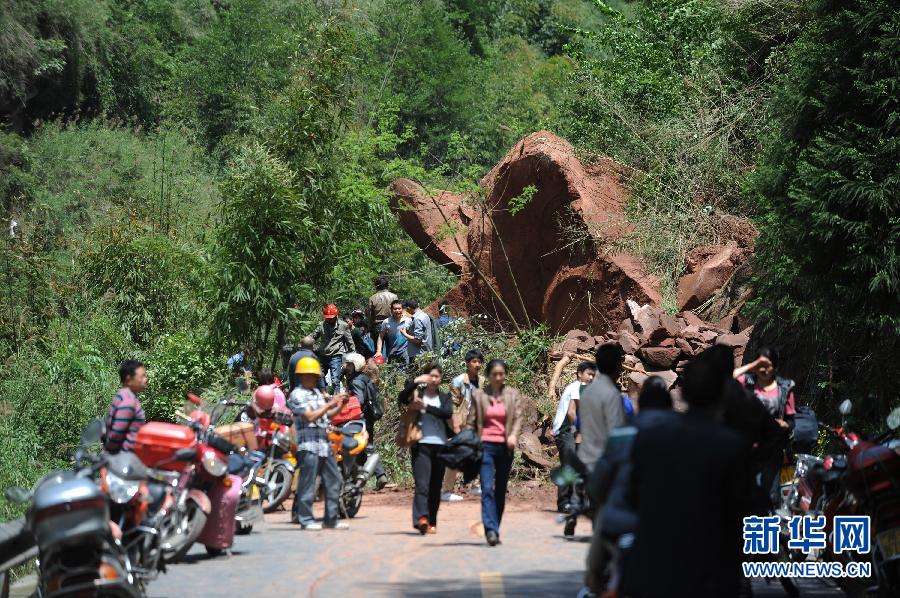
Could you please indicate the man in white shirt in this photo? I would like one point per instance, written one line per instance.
(564, 427)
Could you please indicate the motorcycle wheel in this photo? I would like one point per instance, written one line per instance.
(180, 543)
(350, 504)
(278, 487)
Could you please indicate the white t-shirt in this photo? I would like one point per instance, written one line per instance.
(571, 393)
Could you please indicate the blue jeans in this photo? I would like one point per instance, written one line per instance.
(311, 466)
(495, 468)
(333, 364)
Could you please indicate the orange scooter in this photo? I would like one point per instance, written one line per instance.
(349, 440)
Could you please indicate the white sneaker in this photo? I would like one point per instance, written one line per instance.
(451, 497)
(338, 525)
(475, 491)
(312, 527)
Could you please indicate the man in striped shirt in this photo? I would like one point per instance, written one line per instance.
(126, 414)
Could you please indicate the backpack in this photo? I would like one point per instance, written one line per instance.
(374, 402)
(806, 430)
(351, 411)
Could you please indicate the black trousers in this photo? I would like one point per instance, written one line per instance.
(428, 473)
(565, 443)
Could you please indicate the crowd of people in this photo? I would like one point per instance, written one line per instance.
(649, 477)
(671, 488)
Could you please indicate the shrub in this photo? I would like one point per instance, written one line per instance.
(151, 282)
(180, 363)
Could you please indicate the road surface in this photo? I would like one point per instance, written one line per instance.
(381, 555)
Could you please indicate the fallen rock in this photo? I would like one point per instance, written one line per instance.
(532, 450)
(659, 357)
(709, 268)
(630, 343)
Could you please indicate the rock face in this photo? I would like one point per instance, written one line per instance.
(537, 234)
(542, 259)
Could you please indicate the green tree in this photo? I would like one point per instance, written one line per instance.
(261, 251)
(828, 185)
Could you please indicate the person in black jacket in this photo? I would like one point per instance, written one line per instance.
(423, 394)
(360, 385)
(688, 486)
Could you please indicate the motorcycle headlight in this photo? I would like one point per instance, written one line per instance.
(214, 465)
(121, 491)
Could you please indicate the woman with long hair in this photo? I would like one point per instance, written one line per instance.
(423, 395)
(496, 417)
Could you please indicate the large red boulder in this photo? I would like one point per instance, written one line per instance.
(523, 249)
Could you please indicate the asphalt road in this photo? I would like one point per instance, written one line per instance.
(381, 555)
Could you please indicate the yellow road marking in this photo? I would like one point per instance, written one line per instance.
(492, 585)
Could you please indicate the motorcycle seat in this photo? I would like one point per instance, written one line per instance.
(127, 466)
(352, 428)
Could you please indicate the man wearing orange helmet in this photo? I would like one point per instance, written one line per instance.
(334, 339)
(312, 413)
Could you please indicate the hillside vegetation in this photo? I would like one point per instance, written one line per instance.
(184, 179)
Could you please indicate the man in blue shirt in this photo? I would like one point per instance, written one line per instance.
(390, 335)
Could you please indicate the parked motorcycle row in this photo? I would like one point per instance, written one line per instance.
(862, 479)
(110, 524)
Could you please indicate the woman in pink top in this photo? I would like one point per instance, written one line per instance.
(777, 395)
(496, 417)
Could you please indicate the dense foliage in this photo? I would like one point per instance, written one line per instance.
(828, 187)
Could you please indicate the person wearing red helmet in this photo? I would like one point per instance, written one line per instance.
(333, 339)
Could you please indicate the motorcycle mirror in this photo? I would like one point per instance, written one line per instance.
(893, 419)
(93, 432)
(563, 475)
(186, 454)
(194, 399)
(846, 407)
(17, 494)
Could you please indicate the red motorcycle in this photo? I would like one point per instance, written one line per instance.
(205, 495)
(873, 482)
(864, 481)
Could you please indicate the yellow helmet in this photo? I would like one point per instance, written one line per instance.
(308, 365)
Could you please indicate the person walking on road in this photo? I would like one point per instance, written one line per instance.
(312, 411)
(688, 486)
(390, 338)
(361, 386)
(776, 394)
(600, 410)
(126, 414)
(334, 340)
(496, 417)
(461, 389)
(379, 308)
(435, 408)
(564, 428)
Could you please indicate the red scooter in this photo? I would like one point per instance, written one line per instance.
(865, 481)
(873, 483)
(206, 496)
